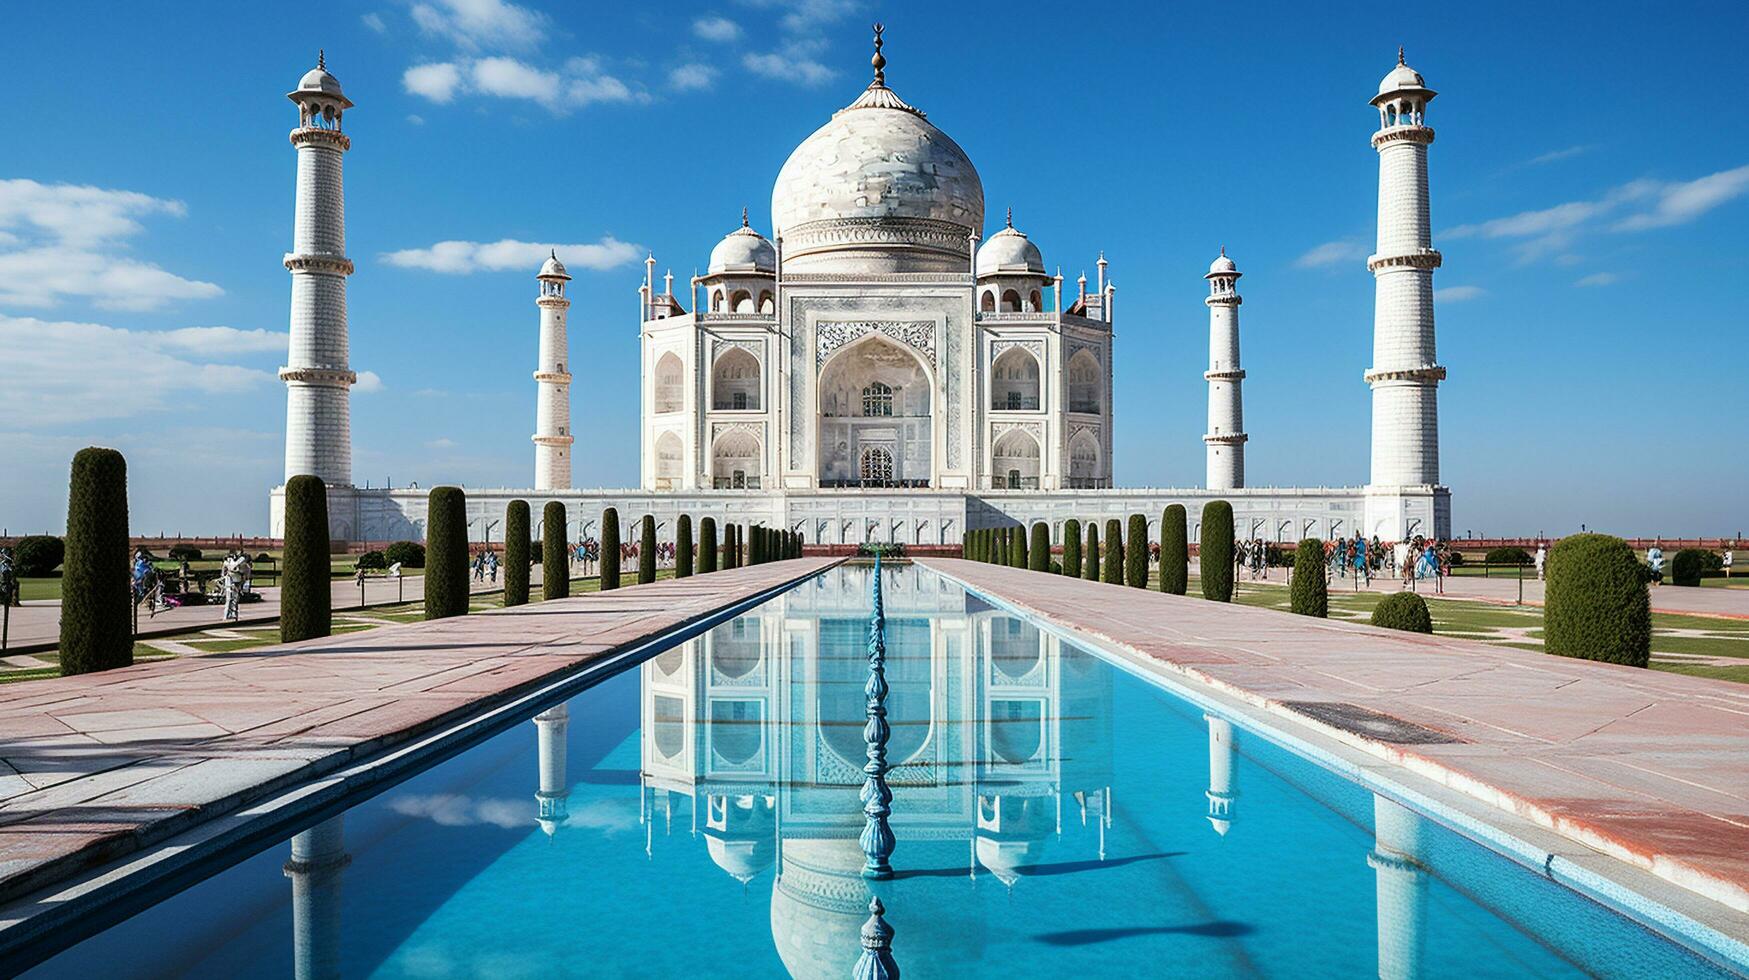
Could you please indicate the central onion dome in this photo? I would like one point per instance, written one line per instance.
(877, 189)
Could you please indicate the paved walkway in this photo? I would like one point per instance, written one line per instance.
(39, 621)
(1647, 766)
(96, 766)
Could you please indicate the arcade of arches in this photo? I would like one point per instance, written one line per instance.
(875, 421)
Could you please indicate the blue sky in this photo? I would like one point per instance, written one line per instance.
(1590, 193)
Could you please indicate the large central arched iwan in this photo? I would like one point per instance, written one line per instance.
(875, 423)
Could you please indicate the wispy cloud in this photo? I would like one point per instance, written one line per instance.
(67, 240)
(1598, 279)
(1566, 153)
(474, 25)
(375, 22)
(1457, 294)
(1635, 206)
(368, 383)
(78, 372)
(578, 83)
(690, 78)
(715, 28)
(801, 16)
(465, 258)
(1331, 253)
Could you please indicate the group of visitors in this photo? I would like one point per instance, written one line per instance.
(1252, 555)
(1359, 556)
(485, 567)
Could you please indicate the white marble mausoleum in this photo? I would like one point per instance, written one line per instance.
(881, 367)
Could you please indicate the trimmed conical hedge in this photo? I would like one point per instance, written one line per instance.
(1310, 595)
(516, 548)
(1090, 571)
(707, 545)
(1114, 551)
(306, 595)
(1400, 611)
(555, 557)
(1072, 548)
(1216, 551)
(646, 550)
(1596, 606)
(609, 549)
(96, 615)
(1135, 554)
(1017, 547)
(1174, 551)
(683, 546)
(1038, 557)
(446, 553)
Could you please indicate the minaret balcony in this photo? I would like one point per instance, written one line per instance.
(334, 265)
(1427, 259)
(1236, 375)
(553, 377)
(1227, 438)
(318, 376)
(317, 136)
(1424, 373)
(1402, 134)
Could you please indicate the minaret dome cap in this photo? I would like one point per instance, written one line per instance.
(552, 268)
(1223, 266)
(318, 81)
(1403, 80)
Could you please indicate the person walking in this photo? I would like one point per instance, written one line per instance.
(231, 580)
(1541, 559)
(1728, 559)
(492, 567)
(1362, 571)
(1655, 559)
(1431, 559)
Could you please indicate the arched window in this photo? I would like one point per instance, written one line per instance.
(670, 384)
(716, 301)
(766, 305)
(877, 400)
(735, 461)
(1084, 468)
(1014, 381)
(1035, 302)
(670, 462)
(1086, 384)
(876, 465)
(1016, 460)
(988, 303)
(735, 383)
(1010, 301)
(741, 301)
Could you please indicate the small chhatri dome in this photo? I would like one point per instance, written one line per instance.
(743, 250)
(552, 268)
(1222, 266)
(1402, 78)
(317, 81)
(1010, 251)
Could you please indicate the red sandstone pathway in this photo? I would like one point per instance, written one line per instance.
(95, 766)
(1650, 767)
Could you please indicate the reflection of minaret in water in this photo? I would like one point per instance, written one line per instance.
(551, 726)
(1396, 859)
(317, 857)
(1220, 793)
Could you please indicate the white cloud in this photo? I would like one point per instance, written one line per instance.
(1651, 203)
(41, 277)
(688, 78)
(82, 371)
(1331, 253)
(466, 258)
(794, 63)
(76, 214)
(416, 120)
(801, 16)
(716, 28)
(374, 21)
(511, 79)
(368, 383)
(578, 83)
(481, 24)
(1598, 279)
(437, 81)
(1680, 203)
(1457, 294)
(444, 443)
(1566, 153)
(221, 340)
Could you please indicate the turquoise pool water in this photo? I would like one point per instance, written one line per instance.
(1054, 816)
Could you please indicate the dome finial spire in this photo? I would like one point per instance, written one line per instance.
(1011, 216)
(322, 58)
(879, 61)
(1399, 54)
(743, 215)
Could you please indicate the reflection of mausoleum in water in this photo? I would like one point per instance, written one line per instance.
(753, 737)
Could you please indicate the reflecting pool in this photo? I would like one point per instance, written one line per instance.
(1053, 815)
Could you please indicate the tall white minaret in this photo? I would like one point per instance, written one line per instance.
(1226, 433)
(1405, 375)
(318, 861)
(552, 419)
(1221, 793)
(551, 726)
(1401, 877)
(318, 382)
